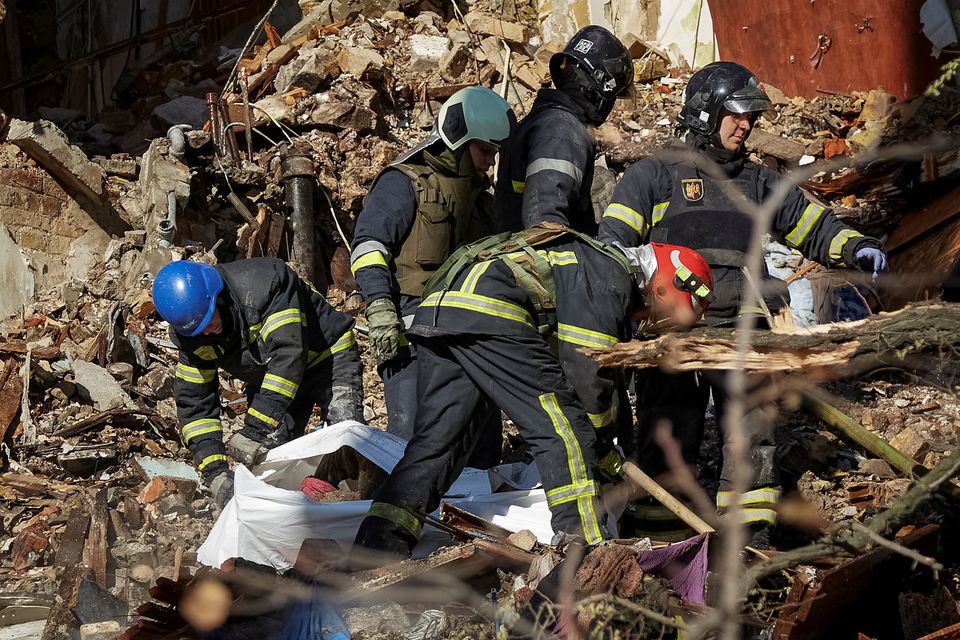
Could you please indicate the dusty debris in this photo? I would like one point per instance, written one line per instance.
(103, 493)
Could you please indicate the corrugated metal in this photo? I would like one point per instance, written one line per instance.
(872, 44)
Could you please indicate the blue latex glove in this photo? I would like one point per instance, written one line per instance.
(870, 259)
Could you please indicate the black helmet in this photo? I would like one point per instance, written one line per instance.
(603, 70)
(720, 85)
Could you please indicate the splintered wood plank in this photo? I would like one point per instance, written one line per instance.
(96, 546)
(11, 392)
(916, 223)
(819, 352)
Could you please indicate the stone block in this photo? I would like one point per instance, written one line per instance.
(96, 383)
(156, 488)
(454, 62)
(492, 26)
(357, 61)
(182, 110)
(32, 239)
(16, 279)
(910, 442)
(310, 69)
(46, 144)
(426, 52)
(115, 167)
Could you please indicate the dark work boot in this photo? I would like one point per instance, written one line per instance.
(379, 542)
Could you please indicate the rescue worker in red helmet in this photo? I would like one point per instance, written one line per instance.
(258, 321)
(419, 209)
(676, 197)
(546, 169)
(483, 330)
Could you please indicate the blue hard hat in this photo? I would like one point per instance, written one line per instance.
(185, 295)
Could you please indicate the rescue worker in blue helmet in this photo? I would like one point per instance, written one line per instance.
(261, 323)
(546, 170)
(677, 196)
(419, 209)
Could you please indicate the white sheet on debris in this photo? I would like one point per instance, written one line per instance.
(268, 518)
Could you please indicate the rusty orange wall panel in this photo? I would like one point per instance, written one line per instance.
(873, 44)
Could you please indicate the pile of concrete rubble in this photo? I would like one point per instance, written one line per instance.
(100, 502)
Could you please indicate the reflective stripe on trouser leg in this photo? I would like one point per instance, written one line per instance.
(582, 487)
(757, 506)
(655, 521)
(397, 515)
(436, 453)
(515, 371)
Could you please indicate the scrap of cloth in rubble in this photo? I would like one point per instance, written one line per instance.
(683, 565)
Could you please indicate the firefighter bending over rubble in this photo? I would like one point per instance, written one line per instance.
(257, 320)
(483, 330)
(676, 197)
(420, 208)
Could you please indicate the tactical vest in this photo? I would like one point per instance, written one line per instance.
(530, 268)
(450, 212)
(701, 216)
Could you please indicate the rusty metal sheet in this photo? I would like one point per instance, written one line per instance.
(871, 44)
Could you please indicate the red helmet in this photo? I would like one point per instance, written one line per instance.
(680, 289)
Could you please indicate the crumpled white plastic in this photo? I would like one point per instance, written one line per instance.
(269, 518)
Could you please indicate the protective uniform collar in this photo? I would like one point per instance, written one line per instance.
(454, 164)
(730, 162)
(557, 97)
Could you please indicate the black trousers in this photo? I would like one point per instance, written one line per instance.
(521, 376)
(680, 400)
(399, 377)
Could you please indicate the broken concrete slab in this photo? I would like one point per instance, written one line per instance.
(308, 70)
(426, 52)
(454, 62)
(123, 168)
(86, 462)
(109, 630)
(493, 26)
(96, 383)
(46, 144)
(182, 110)
(357, 61)
(16, 280)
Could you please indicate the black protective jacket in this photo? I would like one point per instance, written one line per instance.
(670, 198)
(594, 301)
(275, 328)
(546, 168)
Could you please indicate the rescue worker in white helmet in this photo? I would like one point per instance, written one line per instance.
(677, 197)
(418, 211)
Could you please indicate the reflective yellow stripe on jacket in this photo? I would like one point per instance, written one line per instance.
(479, 304)
(195, 375)
(584, 337)
(280, 385)
(346, 341)
(577, 469)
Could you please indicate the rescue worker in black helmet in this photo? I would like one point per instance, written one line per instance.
(546, 169)
(258, 321)
(483, 329)
(676, 197)
(419, 209)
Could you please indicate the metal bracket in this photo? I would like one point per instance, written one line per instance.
(823, 45)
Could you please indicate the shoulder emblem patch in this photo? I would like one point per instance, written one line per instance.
(693, 189)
